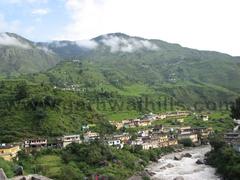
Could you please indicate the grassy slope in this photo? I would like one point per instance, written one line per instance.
(131, 80)
(28, 117)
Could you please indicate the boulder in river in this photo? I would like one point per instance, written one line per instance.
(200, 161)
(178, 178)
(150, 173)
(146, 173)
(177, 157)
(169, 165)
(188, 155)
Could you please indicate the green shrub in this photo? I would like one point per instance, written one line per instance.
(7, 167)
(186, 142)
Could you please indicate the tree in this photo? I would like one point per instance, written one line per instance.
(186, 142)
(39, 116)
(7, 167)
(235, 109)
(71, 172)
(21, 91)
(217, 143)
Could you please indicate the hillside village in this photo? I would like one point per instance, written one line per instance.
(148, 138)
(143, 134)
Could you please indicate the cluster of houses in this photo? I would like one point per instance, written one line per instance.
(155, 137)
(10, 151)
(147, 119)
(233, 138)
(160, 136)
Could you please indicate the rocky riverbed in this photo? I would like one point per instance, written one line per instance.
(185, 165)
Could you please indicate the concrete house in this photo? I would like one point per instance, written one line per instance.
(137, 142)
(192, 136)
(69, 139)
(35, 143)
(144, 122)
(115, 142)
(9, 151)
(149, 143)
(90, 136)
(125, 137)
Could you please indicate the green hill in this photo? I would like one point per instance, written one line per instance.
(111, 77)
(29, 110)
(122, 60)
(21, 56)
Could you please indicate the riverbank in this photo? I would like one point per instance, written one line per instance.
(185, 168)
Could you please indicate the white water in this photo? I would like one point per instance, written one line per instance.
(186, 168)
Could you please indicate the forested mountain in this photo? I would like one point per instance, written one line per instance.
(21, 56)
(122, 61)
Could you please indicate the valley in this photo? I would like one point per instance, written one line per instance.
(114, 91)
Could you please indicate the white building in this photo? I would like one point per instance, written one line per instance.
(69, 139)
(137, 142)
(115, 143)
(90, 136)
(31, 143)
(205, 117)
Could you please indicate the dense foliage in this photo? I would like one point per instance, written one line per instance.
(235, 109)
(16, 60)
(7, 167)
(225, 159)
(186, 142)
(29, 110)
(85, 160)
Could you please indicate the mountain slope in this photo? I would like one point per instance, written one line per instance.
(21, 56)
(127, 65)
(123, 60)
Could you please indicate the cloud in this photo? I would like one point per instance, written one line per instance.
(40, 12)
(45, 49)
(121, 44)
(90, 44)
(60, 44)
(175, 21)
(6, 40)
(85, 18)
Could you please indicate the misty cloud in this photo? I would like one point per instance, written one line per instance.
(7, 40)
(59, 44)
(45, 49)
(120, 44)
(90, 44)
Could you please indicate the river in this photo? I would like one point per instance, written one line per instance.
(167, 168)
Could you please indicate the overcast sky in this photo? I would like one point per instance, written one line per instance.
(200, 24)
